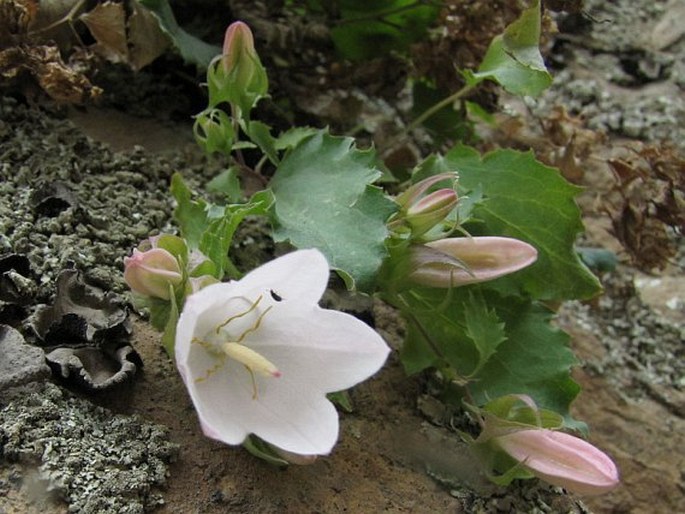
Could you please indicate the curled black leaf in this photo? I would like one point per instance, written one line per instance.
(17, 284)
(51, 198)
(87, 330)
(95, 368)
(81, 314)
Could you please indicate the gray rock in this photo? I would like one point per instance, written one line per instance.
(95, 460)
(20, 363)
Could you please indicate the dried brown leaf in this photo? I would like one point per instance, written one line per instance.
(107, 23)
(651, 203)
(44, 64)
(146, 39)
(15, 17)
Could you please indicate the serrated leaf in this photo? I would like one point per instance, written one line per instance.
(483, 327)
(227, 182)
(513, 58)
(534, 360)
(218, 235)
(191, 215)
(293, 137)
(529, 201)
(192, 49)
(323, 200)
(436, 334)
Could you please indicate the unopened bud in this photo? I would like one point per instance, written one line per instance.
(414, 193)
(562, 460)
(459, 261)
(430, 210)
(420, 212)
(238, 77)
(150, 273)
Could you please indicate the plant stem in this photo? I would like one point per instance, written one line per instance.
(435, 108)
(427, 114)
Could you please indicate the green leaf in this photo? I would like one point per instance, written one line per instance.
(218, 235)
(293, 137)
(191, 215)
(175, 246)
(260, 134)
(532, 202)
(483, 327)
(534, 360)
(169, 335)
(227, 182)
(323, 200)
(436, 334)
(263, 450)
(192, 49)
(520, 353)
(513, 59)
(210, 227)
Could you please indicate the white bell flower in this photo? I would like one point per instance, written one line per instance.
(258, 355)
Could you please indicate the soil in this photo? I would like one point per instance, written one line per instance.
(139, 448)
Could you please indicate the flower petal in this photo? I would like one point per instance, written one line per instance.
(283, 412)
(329, 350)
(273, 312)
(301, 275)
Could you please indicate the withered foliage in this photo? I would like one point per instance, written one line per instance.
(650, 205)
(36, 37)
(25, 63)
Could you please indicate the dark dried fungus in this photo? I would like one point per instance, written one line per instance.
(17, 285)
(82, 314)
(95, 368)
(87, 329)
(51, 198)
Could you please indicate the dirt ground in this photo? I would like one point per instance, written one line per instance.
(622, 77)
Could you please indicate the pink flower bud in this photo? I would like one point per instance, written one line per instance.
(562, 460)
(150, 273)
(413, 193)
(239, 77)
(430, 210)
(238, 44)
(465, 260)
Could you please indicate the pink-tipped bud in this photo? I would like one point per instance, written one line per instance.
(430, 210)
(150, 273)
(562, 460)
(239, 77)
(459, 261)
(421, 211)
(238, 44)
(414, 193)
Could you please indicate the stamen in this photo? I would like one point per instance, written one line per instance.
(233, 349)
(245, 313)
(250, 359)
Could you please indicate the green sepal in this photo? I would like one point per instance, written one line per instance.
(264, 451)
